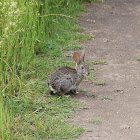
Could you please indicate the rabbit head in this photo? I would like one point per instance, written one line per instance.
(81, 68)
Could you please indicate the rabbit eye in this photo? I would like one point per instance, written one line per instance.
(82, 67)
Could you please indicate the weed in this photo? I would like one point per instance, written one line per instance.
(89, 77)
(99, 83)
(99, 62)
(96, 122)
(85, 107)
(88, 62)
(138, 59)
(91, 95)
(82, 90)
(106, 98)
(96, 1)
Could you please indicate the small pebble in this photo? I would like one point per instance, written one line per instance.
(125, 127)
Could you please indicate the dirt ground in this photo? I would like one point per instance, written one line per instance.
(116, 24)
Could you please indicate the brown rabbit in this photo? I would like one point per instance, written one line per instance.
(66, 78)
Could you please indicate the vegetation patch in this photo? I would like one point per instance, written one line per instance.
(106, 98)
(82, 90)
(91, 95)
(96, 122)
(99, 62)
(99, 83)
(95, 1)
(89, 77)
(33, 36)
(138, 59)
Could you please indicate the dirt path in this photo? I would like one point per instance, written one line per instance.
(116, 24)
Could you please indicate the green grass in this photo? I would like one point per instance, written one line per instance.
(31, 29)
(106, 98)
(138, 59)
(91, 95)
(96, 122)
(33, 36)
(89, 77)
(82, 90)
(95, 1)
(99, 62)
(6, 123)
(35, 113)
(99, 83)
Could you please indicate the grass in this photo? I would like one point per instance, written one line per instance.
(23, 37)
(99, 83)
(138, 59)
(82, 90)
(96, 122)
(35, 114)
(6, 123)
(91, 95)
(33, 36)
(94, 1)
(99, 62)
(41, 117)
(106, 98)
(89, 77)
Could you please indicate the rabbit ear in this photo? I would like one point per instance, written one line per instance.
(82, 55)
(76, 57)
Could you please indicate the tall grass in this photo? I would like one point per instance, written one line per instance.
(28, 27)
(18, 36)
(5, 122)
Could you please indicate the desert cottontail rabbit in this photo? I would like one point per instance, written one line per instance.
(66, 78)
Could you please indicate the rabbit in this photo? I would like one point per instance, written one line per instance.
(66, 79)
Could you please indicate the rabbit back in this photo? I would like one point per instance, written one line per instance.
(63, 79)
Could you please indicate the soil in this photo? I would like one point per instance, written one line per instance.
(116, 105)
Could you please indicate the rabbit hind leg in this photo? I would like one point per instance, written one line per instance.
(64, 90)
(74, 91)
